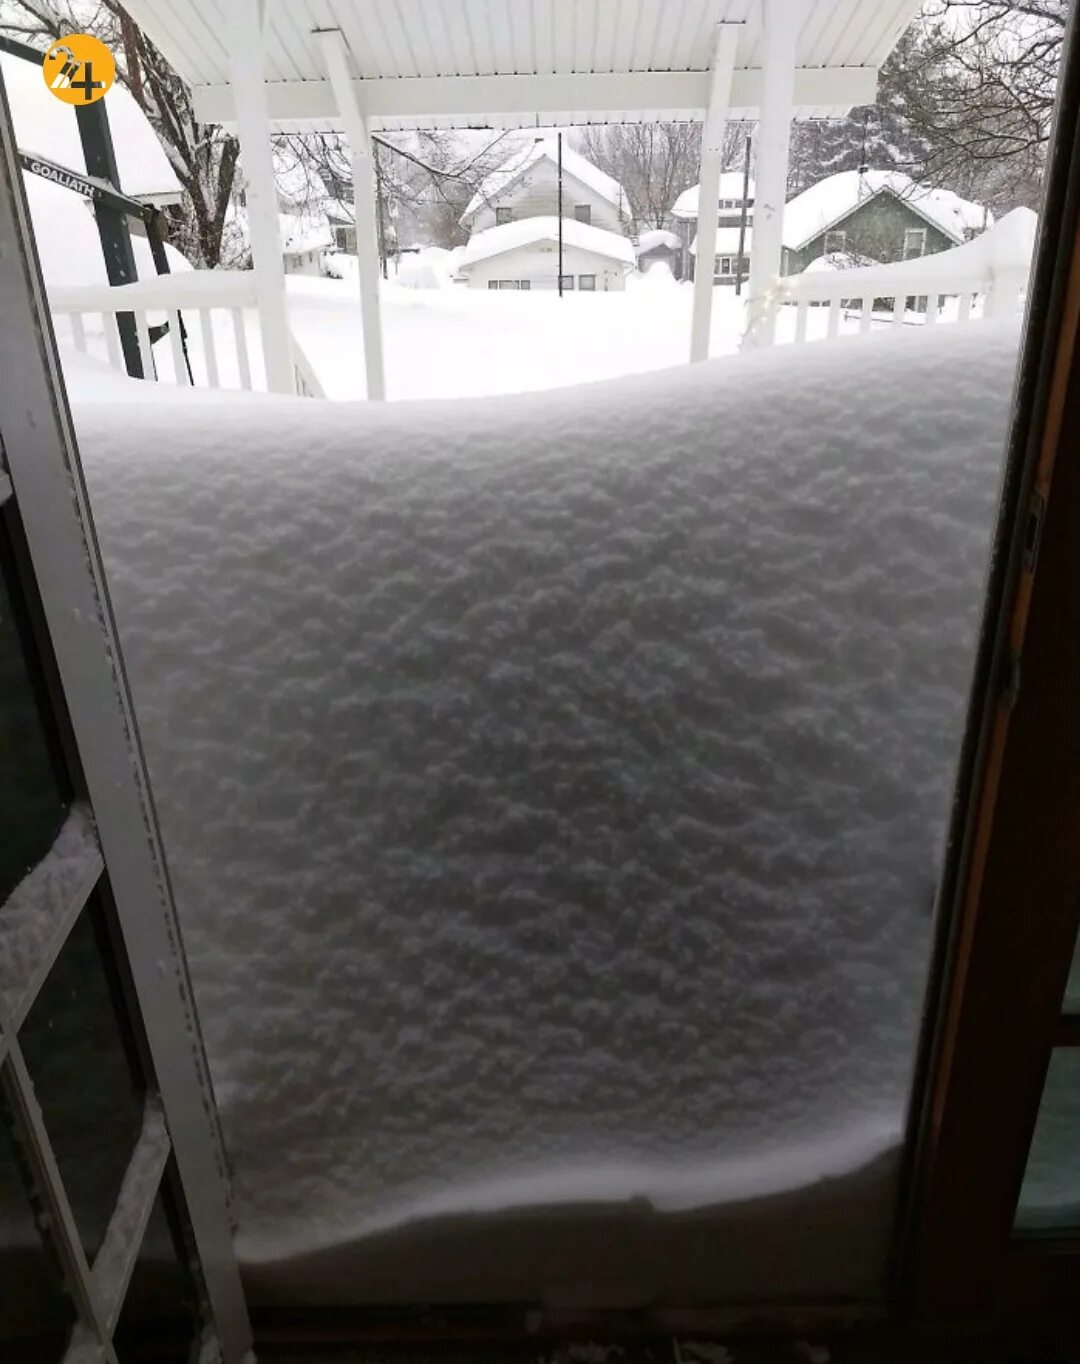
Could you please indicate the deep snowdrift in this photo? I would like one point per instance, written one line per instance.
(552, 787)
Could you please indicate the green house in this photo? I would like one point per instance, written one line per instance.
(864, 217)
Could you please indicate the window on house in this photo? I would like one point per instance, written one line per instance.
(723, 266)
(567, 282)
(502, 215)
(587, 282)
(583, 213)
(836, 240)
(914, 242)
(525, 283)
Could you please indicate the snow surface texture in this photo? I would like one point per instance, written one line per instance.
(45, 900)
(552, 788)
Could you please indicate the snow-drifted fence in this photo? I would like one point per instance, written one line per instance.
(205, 340)
(983, 278)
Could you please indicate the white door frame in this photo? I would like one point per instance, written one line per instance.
(113, 830)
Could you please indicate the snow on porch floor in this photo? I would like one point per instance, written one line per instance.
(552, 787)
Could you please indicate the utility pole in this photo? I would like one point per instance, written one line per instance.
(560, 216)
(743, 215)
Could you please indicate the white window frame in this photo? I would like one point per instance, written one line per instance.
(589, 288)
(567, 282)
(503, 214)
(832, 235)
(723, 268)
(918, 234)
(115, 818)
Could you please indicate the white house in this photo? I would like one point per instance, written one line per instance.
(526, 185)
(684, 212)
(525, 255)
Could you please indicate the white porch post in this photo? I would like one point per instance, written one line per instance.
(783, 21)
(253, 127)
(334, 51)
(712, 150)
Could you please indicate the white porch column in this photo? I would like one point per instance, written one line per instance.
(253, 128)
(334, 51)
(712, 150)
(783, 21)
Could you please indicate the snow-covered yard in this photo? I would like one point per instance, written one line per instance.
(553, 786)
(454, 342)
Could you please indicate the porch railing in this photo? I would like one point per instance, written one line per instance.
(192, 328)
(983, 278)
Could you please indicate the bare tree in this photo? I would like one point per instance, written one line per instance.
(654, 162)
(203, 155)
(423, 180)
(979, 90)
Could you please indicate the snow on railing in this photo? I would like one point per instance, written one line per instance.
(983, 278)
(202, 312)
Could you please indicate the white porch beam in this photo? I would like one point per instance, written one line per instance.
(712, 150)
(782, 23)
(253, 128)
(334, 52)
(683, 94)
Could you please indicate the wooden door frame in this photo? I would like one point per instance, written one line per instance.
(1010, 904)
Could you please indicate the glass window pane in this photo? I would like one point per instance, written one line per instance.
(1050, 1197)
(79, 1061)
(158, 1321)
(32, 807)
(35, 1313)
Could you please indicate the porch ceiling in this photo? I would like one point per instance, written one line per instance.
(516, 63)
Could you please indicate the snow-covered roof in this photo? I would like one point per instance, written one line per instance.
(495, 240)
(731, 187)
(339, 210)
(574, 165)
(300, 232)
(299, 185)
(657, 237)
(727, 241)
(829, 201)
(48, 126)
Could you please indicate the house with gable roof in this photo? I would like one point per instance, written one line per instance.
(526, 185)
(878, 216)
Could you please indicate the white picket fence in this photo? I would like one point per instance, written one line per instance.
(983, 278)
(214, 307)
